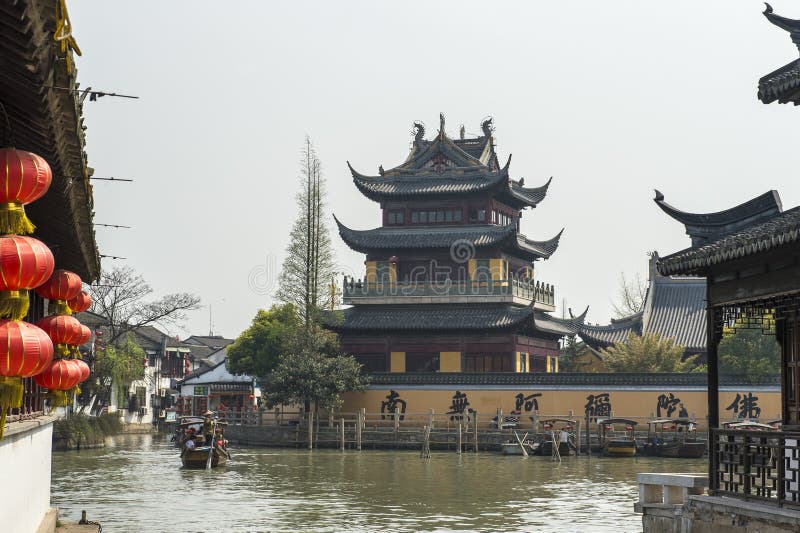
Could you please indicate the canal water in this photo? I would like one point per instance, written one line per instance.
(136, 484)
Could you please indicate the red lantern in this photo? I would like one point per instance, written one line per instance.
(80, 303)
(25, 350)
(61, 375)
(64, 330)
(84, 370)
(24, 177)
(86, 335)
(25, 263)
(62, 286)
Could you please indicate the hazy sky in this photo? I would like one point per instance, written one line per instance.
(612, 98)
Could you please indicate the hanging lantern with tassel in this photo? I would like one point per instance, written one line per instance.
(24, 177)
(25, 351)
(64, 331)
(62, 286)
(80, 303)
(58, 378)
(25, 263)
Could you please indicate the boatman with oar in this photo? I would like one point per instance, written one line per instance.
(208, 428)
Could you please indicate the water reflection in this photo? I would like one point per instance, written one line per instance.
(136, 484)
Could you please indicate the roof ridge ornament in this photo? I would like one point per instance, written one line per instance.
(487, 126)
(790, 25)
(441, 126)
(419, 132)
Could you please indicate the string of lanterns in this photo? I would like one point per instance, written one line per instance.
(48, 350)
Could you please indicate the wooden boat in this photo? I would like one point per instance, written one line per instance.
(552, 428)
(195, 423)
(618, 444)
(512, 448)
(198, 457)
(196, 448)
(673, 437)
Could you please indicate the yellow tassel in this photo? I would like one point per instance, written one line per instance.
(14, 304)
(57, 398)
(62, 350)
(59, 307)
(11, 390)
(14, 220)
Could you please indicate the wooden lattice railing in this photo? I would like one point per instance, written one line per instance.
(756, 465)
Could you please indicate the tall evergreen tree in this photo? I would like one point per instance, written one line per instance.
(308, 266)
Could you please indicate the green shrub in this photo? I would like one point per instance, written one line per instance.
(81, 429)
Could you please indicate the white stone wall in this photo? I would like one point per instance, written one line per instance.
(25, 474)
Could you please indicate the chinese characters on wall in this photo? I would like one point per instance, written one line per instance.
(745, 406)
(597, 406)
(391, 404)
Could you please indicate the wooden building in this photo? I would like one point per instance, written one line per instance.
(673, 307)
(449, 283)
(750, 257)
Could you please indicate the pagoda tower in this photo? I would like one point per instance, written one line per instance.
(449, 283)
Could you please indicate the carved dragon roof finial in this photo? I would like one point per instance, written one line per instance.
(419, 132)
(462, 132)
(487, 126)
(380, 170)
(790, 25)
(441, 125)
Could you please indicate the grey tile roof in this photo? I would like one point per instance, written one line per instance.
(780, 230)
(599, 336)
(656, 379)
(428, 318)
(443, 237)
(706, 227)
(50, 123)
(530, 196)
(679, 312)
(674, 308)
(783, 84)
(429, 183)
(212, 341)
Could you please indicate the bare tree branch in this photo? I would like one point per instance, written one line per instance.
(631, 295)
(121, 297)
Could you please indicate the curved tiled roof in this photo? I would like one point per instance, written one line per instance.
(531, 196)
(618, 331)
(49, 122)
(780, 230)
(427, 237)
(654, 379)
(783, 84)
(428, 183)
(427, 318)
(678, 311)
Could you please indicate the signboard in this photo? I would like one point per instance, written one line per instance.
(200, 391)
(171, 416)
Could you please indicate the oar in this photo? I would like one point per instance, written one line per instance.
(521, 446)
(211, 449)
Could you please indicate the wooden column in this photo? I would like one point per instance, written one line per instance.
(712, 363)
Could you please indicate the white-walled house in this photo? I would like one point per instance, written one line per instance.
(213, 386)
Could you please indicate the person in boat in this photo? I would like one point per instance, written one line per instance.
(208, 426)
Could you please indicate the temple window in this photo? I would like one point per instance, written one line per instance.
(395, 217)
(490, 362)
(435, 216)
(372, 362)
(422, 362)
